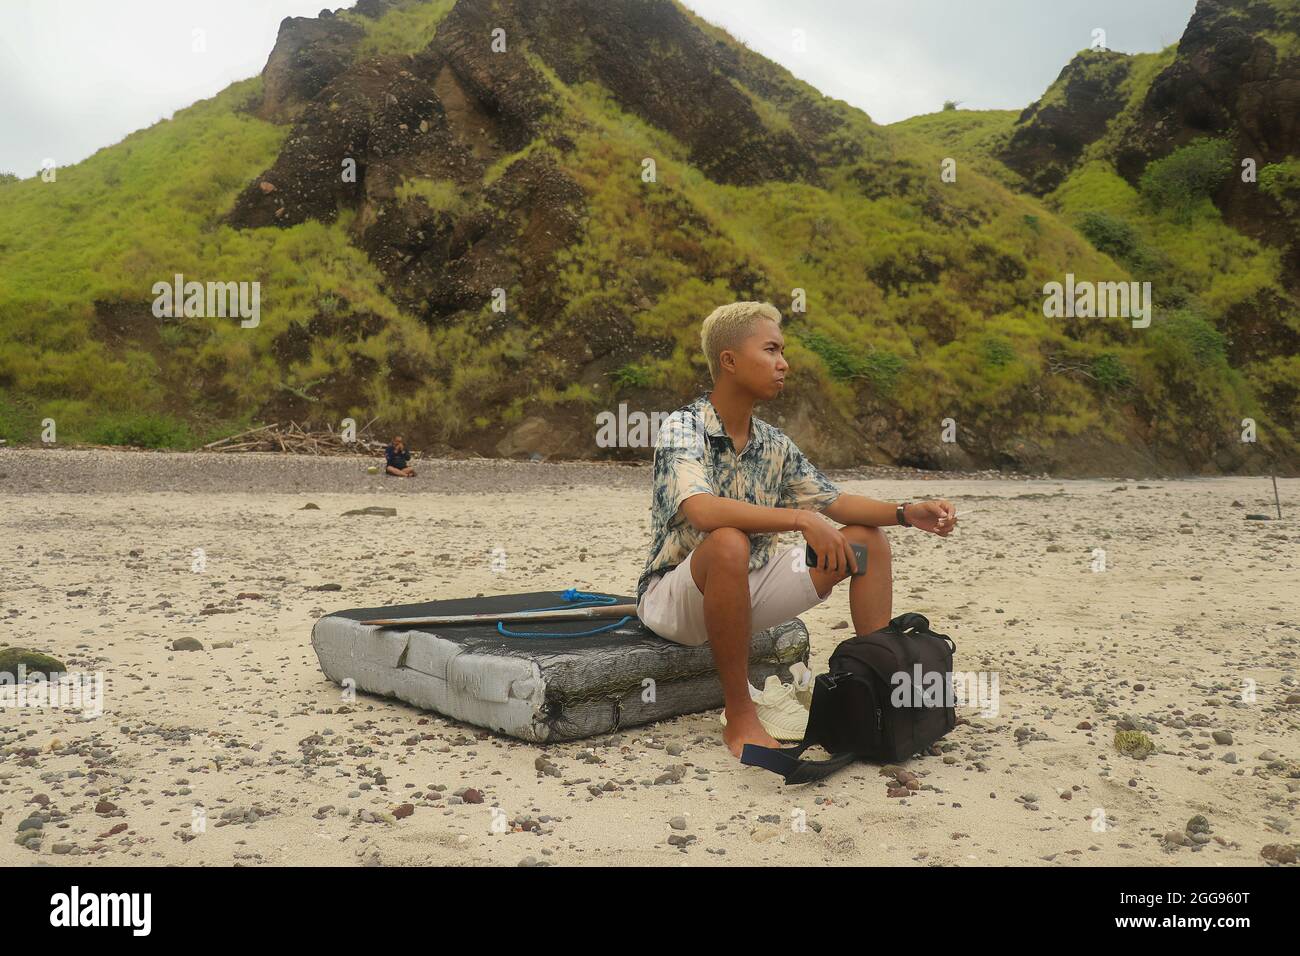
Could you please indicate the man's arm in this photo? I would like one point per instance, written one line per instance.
(856, 509)
(936, 515)
(709, 512)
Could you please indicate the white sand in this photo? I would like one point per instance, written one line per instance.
(1195, 602)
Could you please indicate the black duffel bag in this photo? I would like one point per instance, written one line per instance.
(887, 696)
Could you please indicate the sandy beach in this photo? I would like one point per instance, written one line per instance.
(1191, 634)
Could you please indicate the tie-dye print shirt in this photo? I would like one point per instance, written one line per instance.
(694, 454)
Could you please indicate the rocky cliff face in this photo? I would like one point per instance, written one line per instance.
(458, 106)
(1051, 134)
(308, 53)
(451, 111)
(433, 157)
(1230, 80)
(1235, 75)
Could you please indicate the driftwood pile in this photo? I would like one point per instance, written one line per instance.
(295, 439)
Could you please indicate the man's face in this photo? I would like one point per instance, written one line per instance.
(760, 360)
(398, 443)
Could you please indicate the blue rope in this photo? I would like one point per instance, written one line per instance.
(571, 594)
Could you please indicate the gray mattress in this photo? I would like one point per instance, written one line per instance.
(543, 688)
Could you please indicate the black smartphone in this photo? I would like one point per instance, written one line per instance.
(859, 555)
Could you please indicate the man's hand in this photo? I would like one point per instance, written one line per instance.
(828, 542)
(937, 517)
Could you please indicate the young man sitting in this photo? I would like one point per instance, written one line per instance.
(397, 459)
(724, 482)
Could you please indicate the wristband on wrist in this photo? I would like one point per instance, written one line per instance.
(902, 518)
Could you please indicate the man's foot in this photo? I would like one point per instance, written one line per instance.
(744, 729)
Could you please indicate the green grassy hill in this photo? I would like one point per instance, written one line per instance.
(523, 171)
(1166, 202)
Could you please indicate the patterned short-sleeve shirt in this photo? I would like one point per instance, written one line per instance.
(695, 455)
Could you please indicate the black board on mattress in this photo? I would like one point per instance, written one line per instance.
(550, 687)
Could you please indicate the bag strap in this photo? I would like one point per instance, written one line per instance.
(910, 623)
(785, 761)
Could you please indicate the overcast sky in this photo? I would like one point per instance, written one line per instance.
(78, 75)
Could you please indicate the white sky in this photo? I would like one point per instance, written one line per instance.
(78, 75)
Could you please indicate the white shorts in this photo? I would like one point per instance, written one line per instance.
(779, 591)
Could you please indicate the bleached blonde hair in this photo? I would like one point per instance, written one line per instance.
(729, 325)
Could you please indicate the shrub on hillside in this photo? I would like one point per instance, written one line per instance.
(880, 367)
(1187, 175)
(1111, 373)
(1279, 180)
(1114, 236)
(1189, 330)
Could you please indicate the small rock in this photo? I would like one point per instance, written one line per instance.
(543, 765)
(1279, 853)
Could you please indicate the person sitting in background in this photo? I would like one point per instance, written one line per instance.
(397, 457)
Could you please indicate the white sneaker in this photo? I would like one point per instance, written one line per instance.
(779, 711)
(802, 677)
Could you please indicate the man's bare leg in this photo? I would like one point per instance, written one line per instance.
(720, 567)
(871, 596)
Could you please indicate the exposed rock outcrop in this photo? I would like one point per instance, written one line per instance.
(308, 53)
(1230, 80)
(1051, 134)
